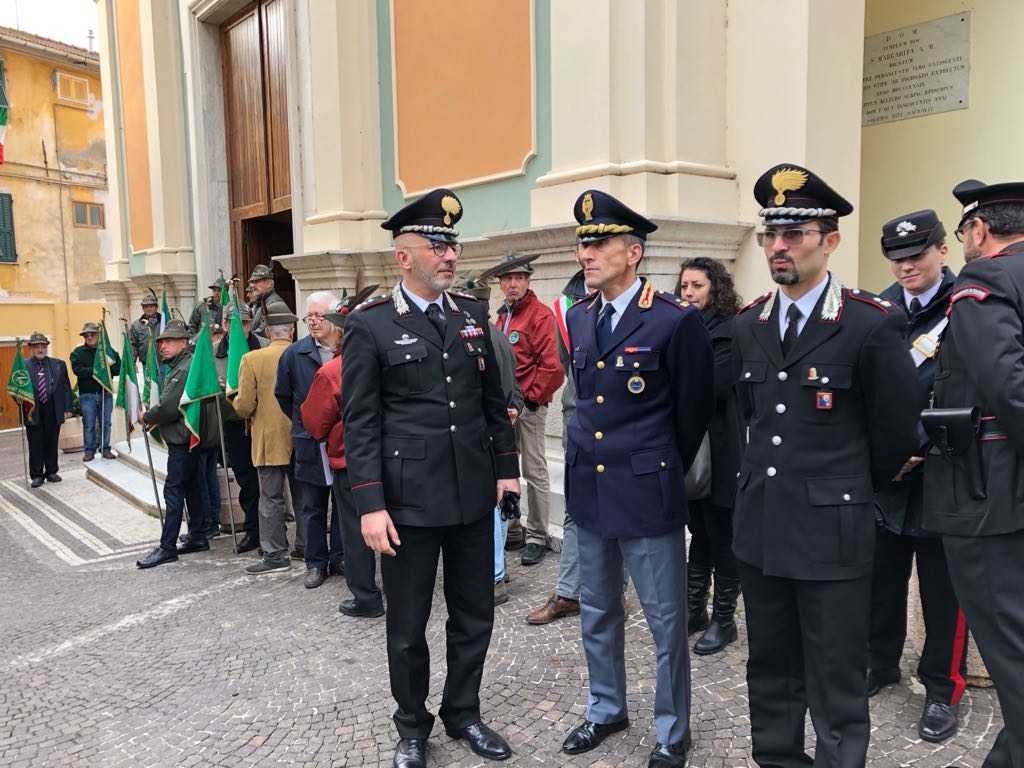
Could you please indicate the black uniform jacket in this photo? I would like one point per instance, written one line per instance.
(724, 430)
(427, 435)
(826, 426)
(981, 363)
(643, 403)
(902, 504)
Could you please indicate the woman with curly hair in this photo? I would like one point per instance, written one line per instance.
(706, 284)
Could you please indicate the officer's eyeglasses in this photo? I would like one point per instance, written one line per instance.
(961, 231)
(793, 236)
(440, 249)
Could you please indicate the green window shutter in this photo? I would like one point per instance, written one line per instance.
(3, 87)
(7, 251)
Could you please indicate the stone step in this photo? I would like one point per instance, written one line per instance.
(126, 481)
(136, 457)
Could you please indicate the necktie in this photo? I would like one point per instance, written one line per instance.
(604, 326)
(915, 306)
(434, 316)
(44, 393)
(792, 329)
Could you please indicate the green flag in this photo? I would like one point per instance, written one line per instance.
(128, 389)
(101, 361)
(151, 386)
(165, 312)
(202, 382)
(238, 345)
(222, 284)
(19, 386)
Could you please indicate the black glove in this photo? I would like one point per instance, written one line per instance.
(509, 506)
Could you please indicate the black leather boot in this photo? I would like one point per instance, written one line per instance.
(723, 623)
(698, 578)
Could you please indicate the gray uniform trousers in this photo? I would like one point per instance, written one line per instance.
(273, 529)
(657, 565)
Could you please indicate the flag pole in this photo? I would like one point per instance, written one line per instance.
(24, 429)
(227, 483)
(103, 391)
(152, 473)
(128, 437)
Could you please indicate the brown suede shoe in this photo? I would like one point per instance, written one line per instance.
(109, 455)
(555, 608)
(87, 457)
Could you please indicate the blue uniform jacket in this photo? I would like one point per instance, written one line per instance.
(295, 373)
(643, 404)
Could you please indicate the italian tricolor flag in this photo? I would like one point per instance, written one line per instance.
(3, 131)
(561, 307)
(201, 383)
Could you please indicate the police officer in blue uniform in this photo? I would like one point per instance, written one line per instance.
(827, 395)
(974, 473)
(642, 367)
(430, 451)
(915, 245)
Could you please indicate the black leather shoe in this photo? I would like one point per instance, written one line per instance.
(355, 609)
(247, 544)
(410, 753)
(315, 577)
(157, 557)
(533, 554)
(193, 545)
(36, 482)
(878, 680)
(584, 738)
(482, 740)
(939, 721)
(669, 755)
(336, 569)
(54, 478)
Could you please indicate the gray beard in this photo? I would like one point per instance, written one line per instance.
(433, 281)
(786, 278)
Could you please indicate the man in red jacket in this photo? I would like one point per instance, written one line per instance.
(530, 327)
(321, 416)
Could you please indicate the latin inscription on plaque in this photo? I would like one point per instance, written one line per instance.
(919, 70)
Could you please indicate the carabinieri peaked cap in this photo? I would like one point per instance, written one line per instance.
(911, 234)
(975, 195)
(600, 215)
(789, 194)
(432, 216)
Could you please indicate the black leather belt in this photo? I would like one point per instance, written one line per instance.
(990, 429)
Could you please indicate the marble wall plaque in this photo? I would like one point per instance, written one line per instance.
(923, 69)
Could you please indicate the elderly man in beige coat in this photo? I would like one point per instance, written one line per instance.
(271, 436)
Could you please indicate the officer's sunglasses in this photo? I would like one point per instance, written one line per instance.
(440, 249)
(792, 236)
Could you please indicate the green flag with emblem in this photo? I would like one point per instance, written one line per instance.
(19, 385)
(101, 361)
(238, 345)
(202, 383)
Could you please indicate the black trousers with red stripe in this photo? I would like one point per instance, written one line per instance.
(944, 657)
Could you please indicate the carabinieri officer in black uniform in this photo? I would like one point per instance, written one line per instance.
(430, 451)
(642, 366)
(827, 393)
(974, 473)
(915, 245)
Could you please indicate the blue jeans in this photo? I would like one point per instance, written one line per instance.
(181, 489)
(500, 535)
(209, 486)
(90, 403)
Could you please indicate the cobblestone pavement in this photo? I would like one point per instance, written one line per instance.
(197, 664)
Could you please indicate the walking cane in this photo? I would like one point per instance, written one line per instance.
(152, 475)
(227, 483)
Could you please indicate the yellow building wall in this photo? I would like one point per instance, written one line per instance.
(913, 164)
(54, 155)
(139, 198)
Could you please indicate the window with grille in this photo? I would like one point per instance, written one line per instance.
(89, 215)
(8, 254)
(71, 88)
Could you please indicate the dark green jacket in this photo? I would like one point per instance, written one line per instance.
(165, 414)
(82, 359)
(141, 334)
(207, 308)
